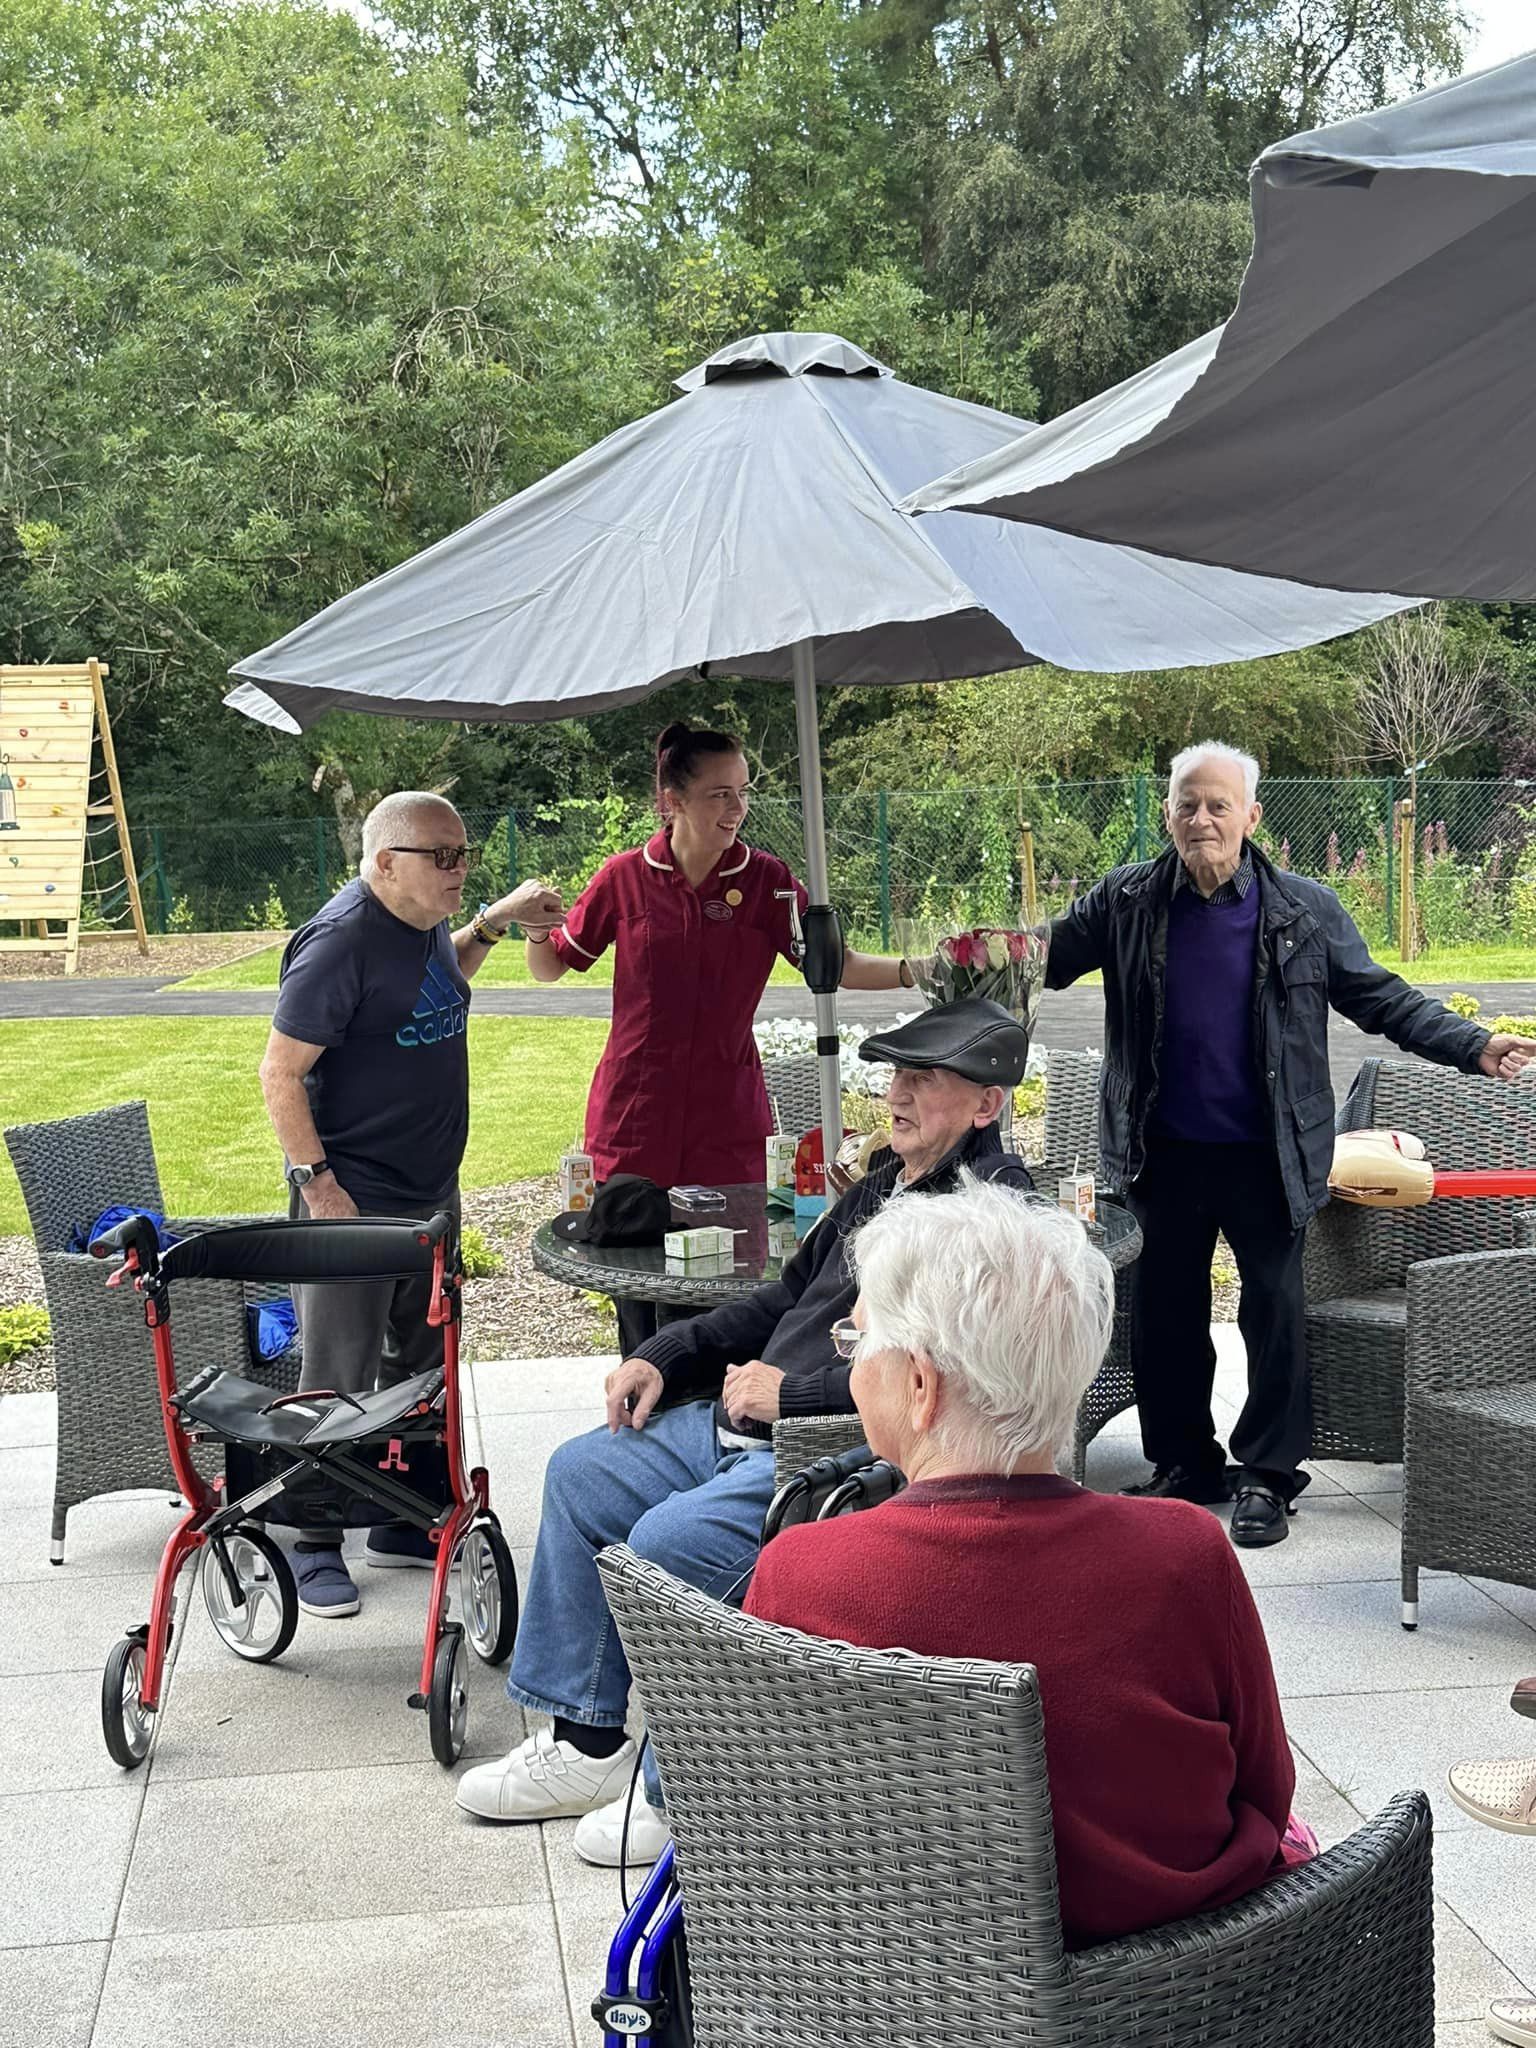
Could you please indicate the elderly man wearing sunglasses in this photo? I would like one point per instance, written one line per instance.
(366, 1079)
(683, 1471)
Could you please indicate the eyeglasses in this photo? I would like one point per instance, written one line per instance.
(445, 856)
(845, 1336)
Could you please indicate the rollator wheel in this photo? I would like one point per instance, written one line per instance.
(260, 1625)
(448, 1701)
(488, 1593)
(127, 1725)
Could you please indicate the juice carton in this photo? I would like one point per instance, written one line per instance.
(1075, 1192)
(780, 1162)
(577, 1181)
(708, 1243)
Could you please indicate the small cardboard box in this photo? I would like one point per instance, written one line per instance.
(577, 1181)
(783, 1239)
(780, 1150)
(721, 1267)
(708, 1243)
(1075, 1192)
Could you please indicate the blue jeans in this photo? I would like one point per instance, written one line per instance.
(676, 1497)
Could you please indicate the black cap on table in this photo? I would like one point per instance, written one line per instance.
(974, 1037)
(627, 1209)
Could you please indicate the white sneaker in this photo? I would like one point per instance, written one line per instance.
(600, 1837)
(544, 1779)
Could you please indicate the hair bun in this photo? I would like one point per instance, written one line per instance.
(669, 735)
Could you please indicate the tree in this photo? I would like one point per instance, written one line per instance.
(1423, 696)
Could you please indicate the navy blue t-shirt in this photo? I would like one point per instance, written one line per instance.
(390, 1093)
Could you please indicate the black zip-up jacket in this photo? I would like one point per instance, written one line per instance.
(1309, 956)
(788, 1321)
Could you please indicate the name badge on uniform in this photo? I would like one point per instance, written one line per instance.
(722, 913)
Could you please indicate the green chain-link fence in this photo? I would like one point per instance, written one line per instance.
(927, 857)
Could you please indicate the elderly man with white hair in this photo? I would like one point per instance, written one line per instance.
(981, 1317)
(366, 1079)
(1217, 1114)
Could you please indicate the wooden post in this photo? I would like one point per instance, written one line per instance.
(109, 757)
(1407, 904)
(1027, 870)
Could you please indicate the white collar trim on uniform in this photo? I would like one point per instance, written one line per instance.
(746, 855)
(650, 858)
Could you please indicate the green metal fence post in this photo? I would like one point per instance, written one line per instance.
(1143, 849)
(883, 828)
(512, 875)
(322, 887)
(1389, 812)
(163, 887)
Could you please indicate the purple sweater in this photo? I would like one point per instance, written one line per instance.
(1209, 1090)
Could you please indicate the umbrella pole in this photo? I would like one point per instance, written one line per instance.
(828, 1046)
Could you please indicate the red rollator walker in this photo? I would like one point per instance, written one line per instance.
(309, 1461)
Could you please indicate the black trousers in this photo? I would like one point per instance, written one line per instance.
(1184, 1196)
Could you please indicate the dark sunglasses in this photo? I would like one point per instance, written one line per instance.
(444, 856)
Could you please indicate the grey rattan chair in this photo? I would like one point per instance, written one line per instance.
(799, 1439)
(1071, 1145)
(866, 1857)
(1470, 1451)
(110, 1434)
(1357, 1260)
(794, 1093)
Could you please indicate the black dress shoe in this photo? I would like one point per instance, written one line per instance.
(1173, 1482)
(1260, 1516)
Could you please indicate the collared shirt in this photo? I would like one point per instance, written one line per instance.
(1232, 890)
(679, 1094)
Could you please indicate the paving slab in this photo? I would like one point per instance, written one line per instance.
(62, 1623)
(73, 1848)
(523, 1386)
(329, 1845)
(26, 1473)
(1467, 1972)
(517, 1448)
(53, 1734)
(48, 1995)
(1334, 1538)
(1373, 1745)
(248, 1720)
(28, 1419)
(476, 1977)
(1486, 1879)
(1360, 1476)
(1345, 1638)
(119, 1536)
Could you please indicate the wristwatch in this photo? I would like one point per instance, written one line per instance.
(301, 1176)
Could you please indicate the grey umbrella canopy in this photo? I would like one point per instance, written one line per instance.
(750, 527)
(1367, 417)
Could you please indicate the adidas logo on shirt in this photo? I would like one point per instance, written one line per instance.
(440, 1012)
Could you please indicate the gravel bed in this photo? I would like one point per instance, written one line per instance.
(168, 958)
(20, 1281)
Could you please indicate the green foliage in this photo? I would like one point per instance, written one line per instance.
(1463, 1005)
(22, 1329)
(182, 917)
(267, 917)
(479, 1257)
(1522, 1027)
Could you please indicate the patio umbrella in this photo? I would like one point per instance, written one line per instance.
(750, 528)
(1367, 417)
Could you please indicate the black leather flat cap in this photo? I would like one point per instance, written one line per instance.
(975, 1037)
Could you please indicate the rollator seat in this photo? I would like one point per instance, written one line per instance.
(232, 1409)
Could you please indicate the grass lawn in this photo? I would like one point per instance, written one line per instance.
(505, 968)
(215, 1148)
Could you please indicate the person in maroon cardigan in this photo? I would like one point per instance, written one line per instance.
(982, 1316)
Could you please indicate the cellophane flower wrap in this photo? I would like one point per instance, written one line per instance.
(1006, 966)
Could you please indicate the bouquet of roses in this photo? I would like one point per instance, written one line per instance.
(1007, 966)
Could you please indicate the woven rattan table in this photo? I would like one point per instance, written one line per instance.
(644, 1273)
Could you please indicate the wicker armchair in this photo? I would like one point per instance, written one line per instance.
(1357, 1260)
(800, 1439)
(865, 1851)
(111, 1436)
(794, 1093)
(1470, 1447)
(1072, 1146)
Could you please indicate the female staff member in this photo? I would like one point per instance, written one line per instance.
(696, 917)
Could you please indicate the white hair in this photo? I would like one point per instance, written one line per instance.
(1009, 1298)
(1215, 750)
(393, 819)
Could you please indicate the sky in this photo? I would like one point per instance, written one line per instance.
(1500, 29)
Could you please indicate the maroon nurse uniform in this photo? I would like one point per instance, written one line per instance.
(678, 1094)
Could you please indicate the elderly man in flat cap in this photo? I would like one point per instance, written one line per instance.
(687, 1485)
